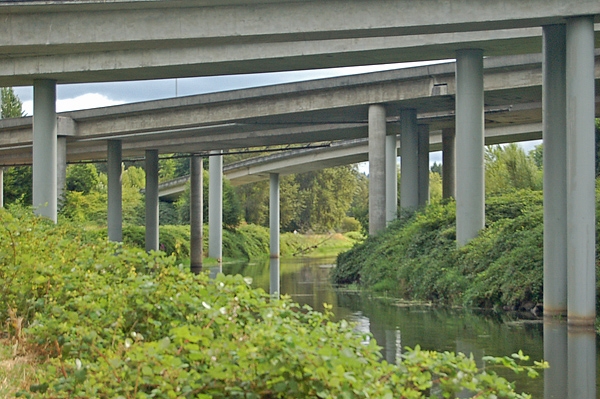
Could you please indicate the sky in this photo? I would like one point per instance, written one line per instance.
(73, 97)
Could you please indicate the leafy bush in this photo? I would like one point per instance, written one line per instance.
(110, 322)
(416, 257)
(350, 224)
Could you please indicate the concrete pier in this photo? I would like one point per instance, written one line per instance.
(448, 163)
(581, 205)
(61, 167)
(470, 178)
(115, 191)
(274, 225)
(152, 200)
(391, 178)
(409, 161)
(423, 165)
(196, 216)
(1, 187)
(215, 206)
(44, 148)
(554, 110)
(377, 179)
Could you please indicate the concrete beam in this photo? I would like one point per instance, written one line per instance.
(377, 179)
(391, 177)
(470, 180)
(115, 191)
(423, 162)
(1, 187)
(44, 149)
(409, 161)
(274, 226)
(152, 238)
(581, 205)
(513, 94)
(215, 206)
(449, 163)
(61, 167)
(47, 30)
(196, 215)
(555, 171)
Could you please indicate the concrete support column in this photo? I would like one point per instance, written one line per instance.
(115, 191)
(1, 187)
(423, 165)
(448, 163)
(409, 160)
(61, 167)
(274, 224)
(215, 206)
(151, 200)
(470, 178)
(377, 199)
(581, 221)
(554, 109)
(44, 148)
(391, 178)
(196, 217)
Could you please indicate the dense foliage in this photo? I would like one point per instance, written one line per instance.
(417, 257)
(109, 322)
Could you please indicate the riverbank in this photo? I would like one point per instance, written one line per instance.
(246, 242)
(416, 257)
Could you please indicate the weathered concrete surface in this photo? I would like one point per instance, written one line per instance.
(339, 153)
(325, 109)
(83, 41)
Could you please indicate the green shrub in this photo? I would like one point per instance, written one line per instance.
(416, 257)
(350, 224)
(112, 322)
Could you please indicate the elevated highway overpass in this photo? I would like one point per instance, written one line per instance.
(321, 110)
(45, 43)
(344, 152)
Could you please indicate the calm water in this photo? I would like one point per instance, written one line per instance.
(481, 333)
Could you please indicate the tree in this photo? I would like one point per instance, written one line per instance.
(537, 154)
(255, 202)
(17, 180)
(291, 203)
(436, 168)
(82, 178)
(11, 104)
(359, 207)
(328, 197)
(509, 168)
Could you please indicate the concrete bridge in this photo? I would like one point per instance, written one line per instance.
(48, 42)
(338, 153)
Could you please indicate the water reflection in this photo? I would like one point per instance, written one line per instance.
(274, 277)
(581, 363)
(555, 353)
(572, 354)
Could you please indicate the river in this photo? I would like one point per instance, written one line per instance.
(395, 326)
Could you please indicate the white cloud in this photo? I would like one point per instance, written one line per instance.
(84, 101)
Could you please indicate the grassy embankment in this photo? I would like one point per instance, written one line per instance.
(246, 242)
(416, 257)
